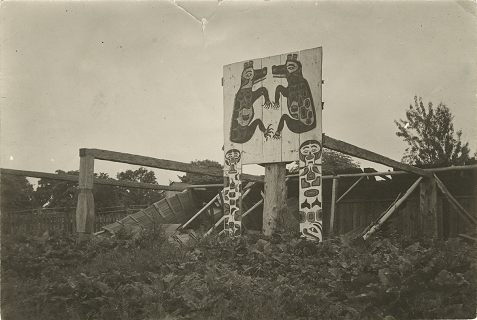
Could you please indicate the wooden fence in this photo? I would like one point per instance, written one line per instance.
(40, 220)
(406, 221)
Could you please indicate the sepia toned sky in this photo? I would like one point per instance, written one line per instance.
(144, 77)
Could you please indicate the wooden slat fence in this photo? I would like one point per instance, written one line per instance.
(39, 220)
(351, 214)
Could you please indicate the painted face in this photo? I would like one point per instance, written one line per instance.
(232, 157)
(291, 66)
(248, 73)
(309, 150)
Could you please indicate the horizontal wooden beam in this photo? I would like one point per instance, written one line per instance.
(40, 175)
(159, 163)
(72, 178)
(361, 153)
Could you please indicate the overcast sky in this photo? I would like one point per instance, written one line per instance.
(145, 77)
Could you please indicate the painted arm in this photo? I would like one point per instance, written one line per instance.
(280, 89)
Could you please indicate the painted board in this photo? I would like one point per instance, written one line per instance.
(271, 103)
(272, 113)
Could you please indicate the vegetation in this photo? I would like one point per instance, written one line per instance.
(252, 277)
(195, 178)
(332, 161)
(18, 193)
(431, 136)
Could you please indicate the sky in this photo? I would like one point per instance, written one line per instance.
(144, 77)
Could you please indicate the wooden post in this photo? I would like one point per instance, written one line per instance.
(275, 196)
(334, 191)
(428, 207)
(85, 207)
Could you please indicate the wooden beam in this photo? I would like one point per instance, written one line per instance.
(457, 206)
(72, 178)
(275, 195)
(159, 163)
(376, 225)
(85, 207)
(361, 153)
(350, 188)
(428, 208)
(334, 191)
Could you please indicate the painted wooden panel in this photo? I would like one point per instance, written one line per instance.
(271, 103)
(272, 148)
(272, 113)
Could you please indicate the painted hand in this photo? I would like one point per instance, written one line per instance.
(277, 135)
(267, 134)
(267, 104)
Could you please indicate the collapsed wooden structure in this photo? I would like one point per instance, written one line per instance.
(427, 182)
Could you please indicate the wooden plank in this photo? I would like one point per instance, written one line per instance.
(252, 149)
(334, 191)
(290, 142)
(85, 212)
(170, 205)
(428, 207)
(466, 215)
(180, 202)
(361, 153)
(271, 147)
(158, 163)
(274, 203)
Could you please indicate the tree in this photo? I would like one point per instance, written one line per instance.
(17, 193)
(332, 161)
(431, 137)
(195, 178)
(135, 196)
(64, 194)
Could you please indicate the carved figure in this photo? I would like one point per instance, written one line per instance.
(299, 99)
(242, 128)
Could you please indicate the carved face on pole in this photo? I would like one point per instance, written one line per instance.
(232, 157)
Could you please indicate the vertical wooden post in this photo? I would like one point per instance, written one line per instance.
(428, 208)
(85, 207)
(334, 191)
(275, 196)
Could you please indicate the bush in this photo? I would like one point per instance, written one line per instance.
(252, 277)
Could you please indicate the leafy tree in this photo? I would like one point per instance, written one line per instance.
(431, 137)
(57, 193)
(195, 178)
(135, 196)
(17, 193)
(331, 162)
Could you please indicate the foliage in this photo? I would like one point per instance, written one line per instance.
(59, 194)
(252, 277)
(134, 196)
(332, 161)
(195, 178)
(16, 193)
(431, 137)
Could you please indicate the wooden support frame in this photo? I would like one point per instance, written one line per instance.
(376, 225)
(350, 188)
(361, 153)
(428, 208)
(158, 163)
(457, 206)
(334, 191)
(275, 195)
(85, 207)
